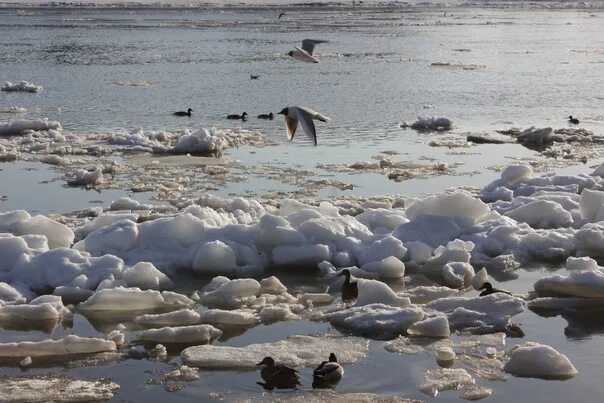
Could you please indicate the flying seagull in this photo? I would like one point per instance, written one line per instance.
(305, 54)
(295, 114)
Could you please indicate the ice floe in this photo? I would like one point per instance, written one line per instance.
(55, 388)
(539, 361)
(296, 351)
(21, 86)
(68, 345)
(429, 124)
(181, 317)
(133, 299)
(374, 319)
(587, 284)
(22, 127)
(180, 334)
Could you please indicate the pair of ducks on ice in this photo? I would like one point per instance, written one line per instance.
(280, 376)
(350, 290)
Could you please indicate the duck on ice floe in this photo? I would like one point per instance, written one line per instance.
(269, 116)
(277, 375)
(234, 116)
(295, 114)
(572, 120)
(328, 373)
(350, 290)
(181, 113)
(305, 54)
(488, 290)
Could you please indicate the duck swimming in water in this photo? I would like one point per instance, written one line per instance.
(328, 373)
(277, 375)
(572, 120)
(181, 113)
(254, 77)
(234, 116)
(488, 290)
(350, 290)
(269, 116)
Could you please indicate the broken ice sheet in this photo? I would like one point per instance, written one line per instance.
(441, 379)
(56, 389)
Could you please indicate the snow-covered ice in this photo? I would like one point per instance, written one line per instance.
(56, 389)
(296, 351)
(181, 334)
(539, 361)
(21, 86)
(68, 345)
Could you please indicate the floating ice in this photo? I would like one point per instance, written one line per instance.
(83, 177)
(19, 222)
(445, 354)
(516, 173)
(13, 109)
(315, 298)
(458, 274)
(132, 299)
(56, 389)
(480, 314)
(375, 319)
(539, 361)
(21, 86)
(214, 142)
(588, 284)
(68, 345)
(9, 294)
(429, 124)
(437, 326)
(442, 379)
(374, 291)
(230, 292)
(223, 317)
(480, 278)
(21, 127)
(44, 308)
(272, 285)
(146, 277)
(182, 317)
(181, 334)
(277, 313)
(294, 351)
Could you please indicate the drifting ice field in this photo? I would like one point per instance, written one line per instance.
(145, 257)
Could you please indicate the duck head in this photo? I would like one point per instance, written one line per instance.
(283, 111)
(570, 116)
(290, 53)
(333, 358)
(244, 114)
(189, 110)
(344, 272)
(268, 361)
(270, 115)
(486, 286)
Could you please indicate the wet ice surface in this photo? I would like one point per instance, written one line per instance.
(403, 64)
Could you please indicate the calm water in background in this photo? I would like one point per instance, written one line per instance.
(541, 66)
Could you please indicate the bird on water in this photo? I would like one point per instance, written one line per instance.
(234, 116)
(572, 120)
(350, 290)
(181, 113)
(488, 290)
(269, 116)
(328, 373)
(277, 375)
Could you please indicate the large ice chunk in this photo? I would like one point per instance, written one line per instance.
(588, 284)
(375, 319)
(294, 351)
(132, 299)
(181, 334)
(68, 345)
(539, 361)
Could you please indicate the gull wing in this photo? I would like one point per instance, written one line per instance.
(314, 114)
(309, 44)
(308, 125)
(290, 126)
(304, 56)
